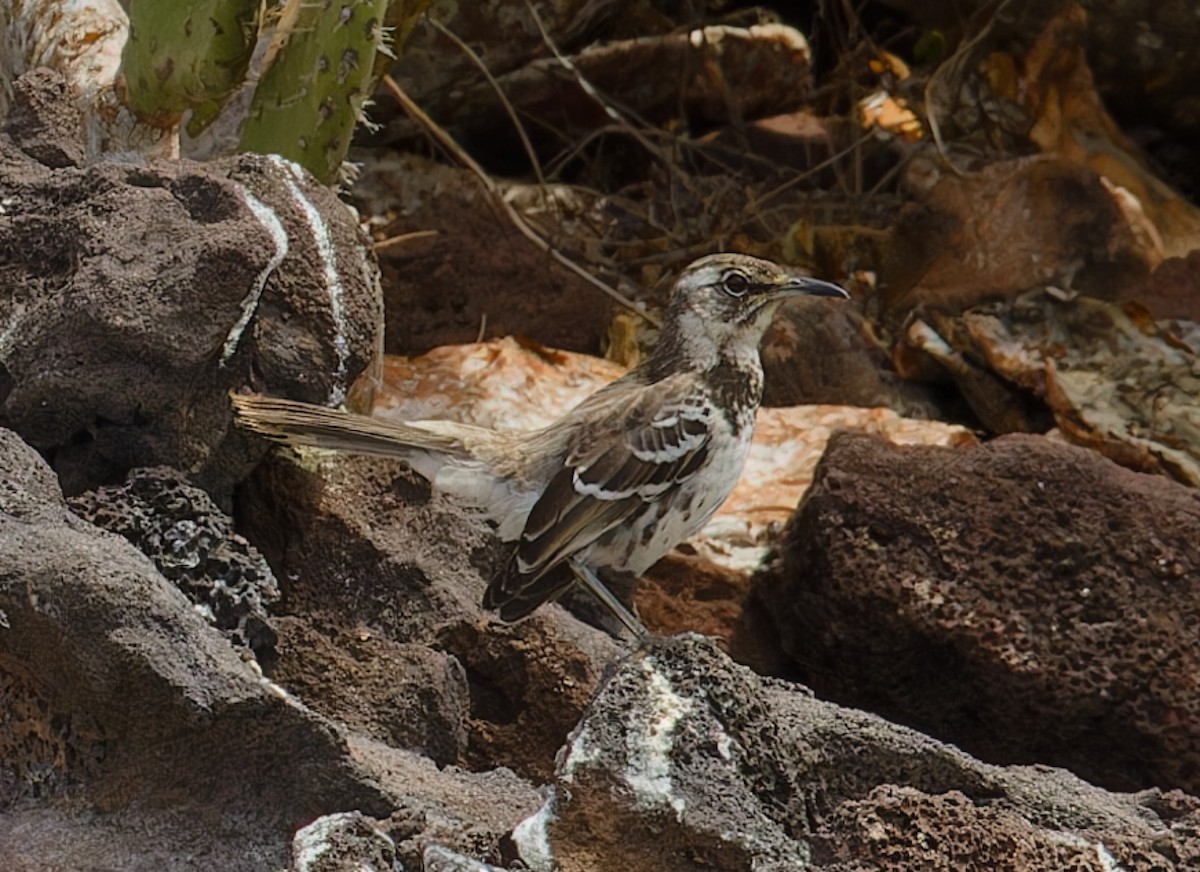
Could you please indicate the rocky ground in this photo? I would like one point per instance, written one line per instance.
(973, 645)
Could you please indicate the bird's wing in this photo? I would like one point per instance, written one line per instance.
(634, 450)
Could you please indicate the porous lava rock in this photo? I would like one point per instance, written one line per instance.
(193, 544)
(138, 293)
(688, 761)
(1026, 599)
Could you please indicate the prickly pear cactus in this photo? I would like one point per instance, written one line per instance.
(182, 56)
(317, 76)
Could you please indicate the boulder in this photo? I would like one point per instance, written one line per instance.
(688, 761)
(133, 735)
(138, 293)
(1027, 600)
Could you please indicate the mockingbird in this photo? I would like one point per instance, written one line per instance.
(622, 478)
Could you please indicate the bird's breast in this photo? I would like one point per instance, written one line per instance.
(736, 390)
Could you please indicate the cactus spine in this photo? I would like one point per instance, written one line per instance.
(182, 56)
(317, 76)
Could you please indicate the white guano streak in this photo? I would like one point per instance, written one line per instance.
(648, 770)
(270, 221)
(333, 283)
(532, 838)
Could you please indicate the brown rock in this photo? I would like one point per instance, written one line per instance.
(476, 274)
(366, 547)
(138, 700)
(403, 695)
(42, 121)
(686, 761)
(1045, 220)
(819, 353)
(1027, 600)
(133, 735)
(1173, 290)
(697, 74)
(138, 294)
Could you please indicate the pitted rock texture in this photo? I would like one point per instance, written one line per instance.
(138, 294)
(1027, 600)
(376, 563)
(686, 760)
(404, 695)
(193, 544)
(133, 735)
(343, 842)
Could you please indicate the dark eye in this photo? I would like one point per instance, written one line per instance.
(735, 283)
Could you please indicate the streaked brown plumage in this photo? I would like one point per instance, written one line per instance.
(620, 479)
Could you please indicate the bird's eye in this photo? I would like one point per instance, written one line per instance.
(735, 283)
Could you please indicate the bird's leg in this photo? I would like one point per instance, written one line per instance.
(587, 576)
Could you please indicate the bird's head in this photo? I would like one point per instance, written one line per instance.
(722, 304)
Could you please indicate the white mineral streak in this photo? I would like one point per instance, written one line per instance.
(312, 842)
(648, 745)
(270, 221)
(648, 767)
(323, 238)
(580, 752)
(532, 838)
(436, 858)
(1107, 861)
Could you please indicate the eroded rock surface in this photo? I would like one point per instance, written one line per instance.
(139, 293)
(1028, 600)
(193, 544)
(134, 736)
(686, 760)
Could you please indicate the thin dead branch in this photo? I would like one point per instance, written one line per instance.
(500, 95)
(518, 221)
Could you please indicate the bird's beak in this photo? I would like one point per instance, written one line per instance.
(811, 287)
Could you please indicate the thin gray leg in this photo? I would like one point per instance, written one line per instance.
(592, 582)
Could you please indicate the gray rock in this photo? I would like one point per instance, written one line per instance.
(142, 740)
(193, 544)
(402, 694)
(344, 842)
(686, 760)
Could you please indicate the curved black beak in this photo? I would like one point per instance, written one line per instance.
(813, 287)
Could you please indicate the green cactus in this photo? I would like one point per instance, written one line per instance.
(318, 75)
(182, 56)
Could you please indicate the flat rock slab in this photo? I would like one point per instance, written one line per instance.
(1025, 599)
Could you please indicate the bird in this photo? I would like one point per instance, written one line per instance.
(614, 484)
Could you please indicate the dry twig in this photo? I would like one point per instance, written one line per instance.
(518, 221)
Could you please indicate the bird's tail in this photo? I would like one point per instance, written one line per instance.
(296, 423)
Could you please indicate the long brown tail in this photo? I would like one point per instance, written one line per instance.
(296, 423)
